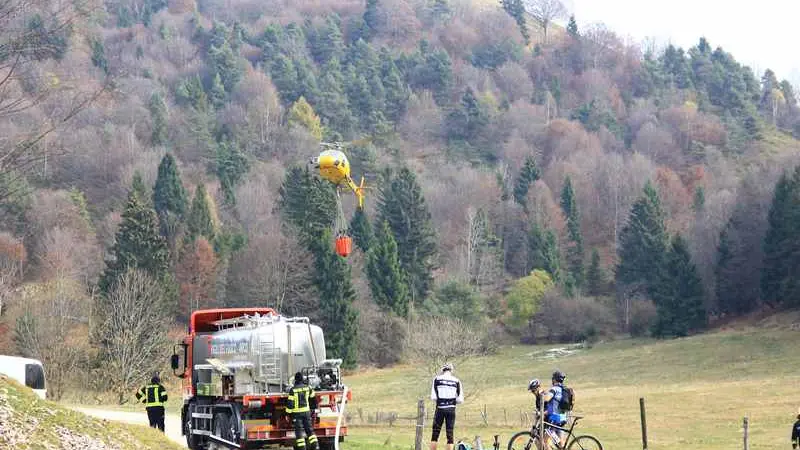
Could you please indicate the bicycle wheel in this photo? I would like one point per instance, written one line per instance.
(585, 442)
(524, 440)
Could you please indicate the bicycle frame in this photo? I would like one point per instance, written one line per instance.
(551, 426)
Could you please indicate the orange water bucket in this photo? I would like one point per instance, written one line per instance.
(344, 245)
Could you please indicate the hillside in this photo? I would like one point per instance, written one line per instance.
(526, 182)
(697, 391)
(26, 422)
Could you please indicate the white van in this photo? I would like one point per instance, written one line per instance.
(25, 371)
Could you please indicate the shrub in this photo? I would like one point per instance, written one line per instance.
(562, 319)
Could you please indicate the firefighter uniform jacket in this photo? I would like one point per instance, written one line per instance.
(152, 395)
(301, 399)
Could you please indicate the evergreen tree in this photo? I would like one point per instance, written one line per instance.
(575, 239)
(201, 220)
(138, 244)
(361, 230)
(284, 76)
(778, 282)
(527, 175)
(330, 42)
(224, 62)
(386, 280)
(158, 114)
(332, 104)
(678, 294)
(595, 278)
(169, 195)
(339, 316)
(396, 91)
(371, 20)
(305, 203)
(643, 241)
(516, 9)
(402, 205)
(572, 27)
(543, 251)
(99, 55)
(230, 166)
(217, 94)
(137, 186)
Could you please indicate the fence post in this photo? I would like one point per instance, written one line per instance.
(420, 424)
(644, 423)
(746, 426)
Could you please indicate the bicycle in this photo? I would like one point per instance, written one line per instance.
(529, 440)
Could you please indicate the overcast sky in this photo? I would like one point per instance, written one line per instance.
(762, 34)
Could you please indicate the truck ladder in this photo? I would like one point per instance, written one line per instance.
(269, 360)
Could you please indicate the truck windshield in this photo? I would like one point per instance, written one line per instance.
(34, 376)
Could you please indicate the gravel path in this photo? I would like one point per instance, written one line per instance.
(172, 423)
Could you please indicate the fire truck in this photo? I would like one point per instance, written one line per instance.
(238, 366)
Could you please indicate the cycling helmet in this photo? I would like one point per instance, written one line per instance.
(559, 376)
(447, 367)
(534, 384)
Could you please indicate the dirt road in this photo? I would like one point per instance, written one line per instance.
(172, 423)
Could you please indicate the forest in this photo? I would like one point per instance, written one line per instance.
(527, 181)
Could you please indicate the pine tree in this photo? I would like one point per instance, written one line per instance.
(595, 278)
(361, 230)
(736, 292)
(643, 241)
(516, 9)
(339, 317)
(137, 186)
(305, 203)
(224, 62)
(158, 114)
(528, 175)
(386, 280)
(217, 94)
(678, 294)
(396, 91)
(330, 43)
(572, 27)
(333, 105)
(778, 283)
(371, 20)
(169, 195)
(402, 205)
(230, 165)
(543, 251)
(138, 245)
(575, 239)
(202, 218)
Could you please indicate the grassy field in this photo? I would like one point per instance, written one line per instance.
(697, 390)
(26, 422)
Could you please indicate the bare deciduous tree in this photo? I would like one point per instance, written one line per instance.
(52, 328)
(432, 341)
(545, 12)
(32, 31)
(132, 331)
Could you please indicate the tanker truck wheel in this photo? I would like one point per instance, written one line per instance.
(222, 428)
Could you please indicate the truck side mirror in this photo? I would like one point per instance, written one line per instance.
(174, 361)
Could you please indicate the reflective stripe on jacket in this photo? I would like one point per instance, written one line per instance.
(299, 400)
(152, 395)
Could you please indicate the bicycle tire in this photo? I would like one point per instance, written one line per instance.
(596, 445)
(531, 444)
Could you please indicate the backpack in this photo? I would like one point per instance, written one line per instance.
(463, 446)
(567, 399)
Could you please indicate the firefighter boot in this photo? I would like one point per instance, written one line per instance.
(312, 442)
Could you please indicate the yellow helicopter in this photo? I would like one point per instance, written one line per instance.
(333, 166)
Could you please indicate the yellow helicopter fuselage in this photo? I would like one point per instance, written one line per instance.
(334, 167)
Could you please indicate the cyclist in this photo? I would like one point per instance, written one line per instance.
(796, 433)
(535, 388)
(553, 415)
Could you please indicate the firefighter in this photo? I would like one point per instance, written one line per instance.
(299, 404)
(154, 395)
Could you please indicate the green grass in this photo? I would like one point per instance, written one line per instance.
(33, 424)
(697, 390)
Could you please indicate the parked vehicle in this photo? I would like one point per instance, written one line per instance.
(29, 372)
